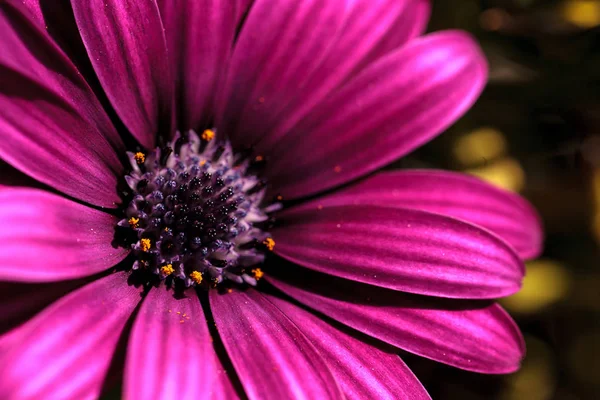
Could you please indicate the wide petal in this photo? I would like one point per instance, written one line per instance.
(392, 107)
(46, 237)
(125, 41)
(200, 37)
(278, 50)
(475, 336)
(359, 44)
(53, 127)
(363, 371)
(170, 353)
(456, 195)
(273, 359)
(400, 249)
(65, 351)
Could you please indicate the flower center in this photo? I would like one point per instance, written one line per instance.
(197, 216)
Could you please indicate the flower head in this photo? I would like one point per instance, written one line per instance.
(204, 175)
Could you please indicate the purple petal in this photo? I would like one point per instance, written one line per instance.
(20, 301)
(273, 359)
(476, 336)
(125, 41)
(349, 50)
(200, 37)
(400, 249)
(65, 351)
(170, 353)
(362, 370)
(410, 24)
(277, 52)
(394, 106)
(470, 199)
(48, 238)
(53, 127)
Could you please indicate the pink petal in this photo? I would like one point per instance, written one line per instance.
(49, 238)
(125, 41)
(394, 106)
(170, 353)
(363, 371)
(409, 25)
(273, 359)
(65, 351)
(400, 249)
(278, 50)
(200, 37)
(53, 127)
(348, 51)
(476, 336)
(456, 195)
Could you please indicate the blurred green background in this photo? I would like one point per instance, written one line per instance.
(536, 131)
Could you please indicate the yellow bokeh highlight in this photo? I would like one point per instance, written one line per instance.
(480, 146)
(545, 283)
(506, 173)
(583, 13)
(536, 378)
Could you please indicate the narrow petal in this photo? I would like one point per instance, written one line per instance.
(408, 250)
(456, 195)
(53, 127)
(49, 238)
(170, 353)
(476, 336)
(125, 41)
(392, 107)
(278, 50)
(273, 359)
(65, 351)
(200, 40)
(363, 371)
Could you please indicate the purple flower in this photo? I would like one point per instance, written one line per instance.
(191, 155)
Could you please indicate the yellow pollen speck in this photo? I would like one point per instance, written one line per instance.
(167, 269)
(279, 198)
(208, 135)
(134, 222)
(140, 157)
(229, 290)
(258, 273)
(259, 158)
(145, 244)
(178, 312)
(202, 163)
(182, 321)
(269, 243)
(196, 277)
(337, 169)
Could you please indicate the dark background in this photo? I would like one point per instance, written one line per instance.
(536, 131)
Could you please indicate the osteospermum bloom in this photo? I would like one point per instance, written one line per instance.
(189, 226)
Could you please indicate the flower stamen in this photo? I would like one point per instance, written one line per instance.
(269, 243)
(145, 244)
(208, 135)
(196, 277)
(140, 158)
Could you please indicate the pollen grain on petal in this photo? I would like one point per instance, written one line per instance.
(145, 244)
(196, 277)
(269, 243)
(208, 135)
